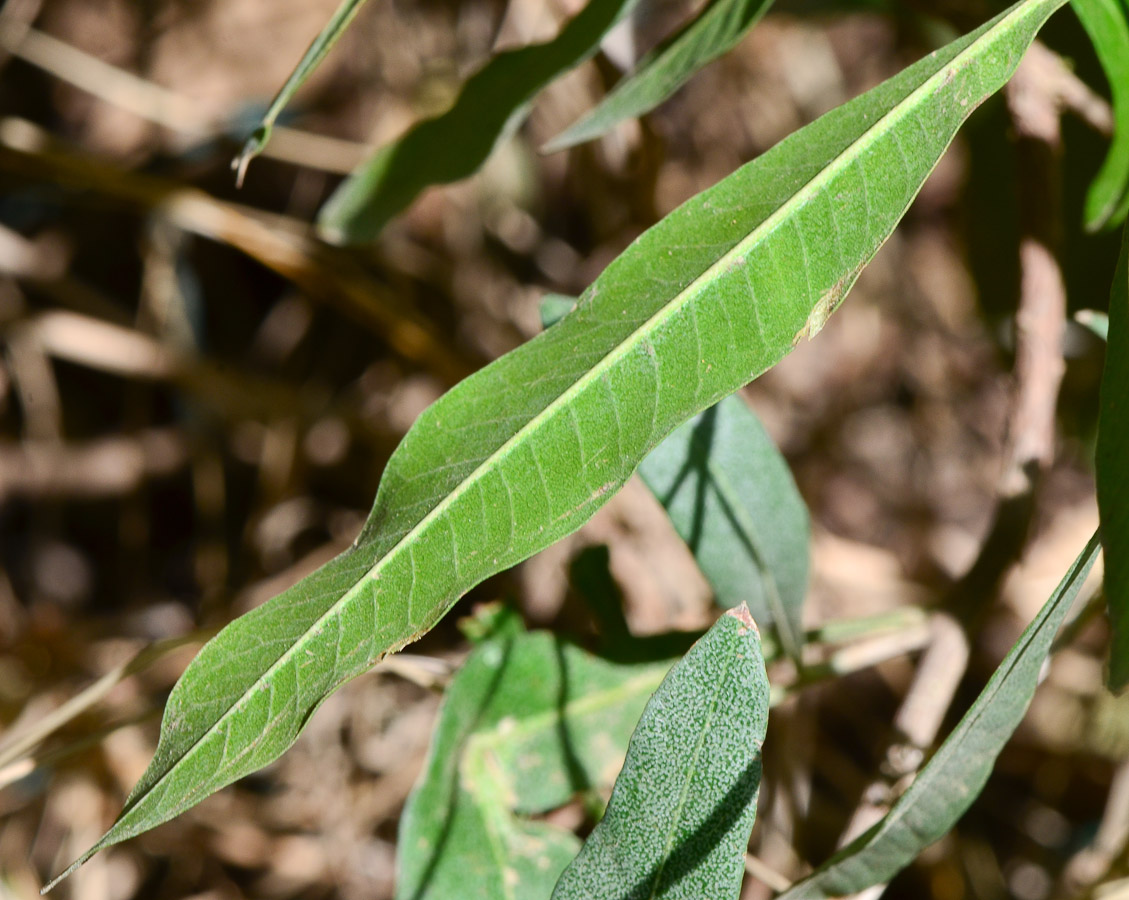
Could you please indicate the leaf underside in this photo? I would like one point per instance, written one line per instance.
(713, 32)
(731, 497)
(1110, 457)
(526, 450)
(956, 774)
(680, 814)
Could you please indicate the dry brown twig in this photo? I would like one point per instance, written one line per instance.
(282, 245)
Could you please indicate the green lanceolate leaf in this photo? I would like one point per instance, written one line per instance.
(526, 450)
(529, 722)
(680, 814)
(1107, 24)
(732, 498)
(492, 105)
(956, 774)
(310, 60)
(1112, 452)
(716, 30)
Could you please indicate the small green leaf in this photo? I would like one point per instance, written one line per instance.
(555, 307)
(310, 60)
(527, 449)
(682, 808)
(1111, 457)
(492, 105)
(716, 30)
(732, 498)
(956, 774)
(1107, 24)
(528, 723)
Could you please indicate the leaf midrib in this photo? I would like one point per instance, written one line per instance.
(799, 199)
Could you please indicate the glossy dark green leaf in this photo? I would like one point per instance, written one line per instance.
(680, 814)
(716, 30)
(492, 105)
(1107, 24)
(732, 498)
(310, 60)
(956, 774)
(529, 722)
(1112, 457)
(526, 450)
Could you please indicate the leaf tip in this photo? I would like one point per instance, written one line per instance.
(741, 614)
(576, 134)
(68, 871)
(252, 148)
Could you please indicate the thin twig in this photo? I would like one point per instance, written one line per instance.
(166, 108)
(324, 273)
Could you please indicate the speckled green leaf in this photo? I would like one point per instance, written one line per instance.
(526, 450)
(680, 814)
(732, 498)
(310, 60)
(1113, 469)
(1107, 24)
(956, 774)
(492, 105)
(529, 722)
(716, 30)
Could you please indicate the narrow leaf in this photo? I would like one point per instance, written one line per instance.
(529, 722)
(716, 30)
(526, 450)
(732, 498)
(492, 105)
(956, 774)
(1107, 24)
(1111, 457)
(310, 60)
(680, 814)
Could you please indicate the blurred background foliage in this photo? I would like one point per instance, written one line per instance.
(197, 398)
